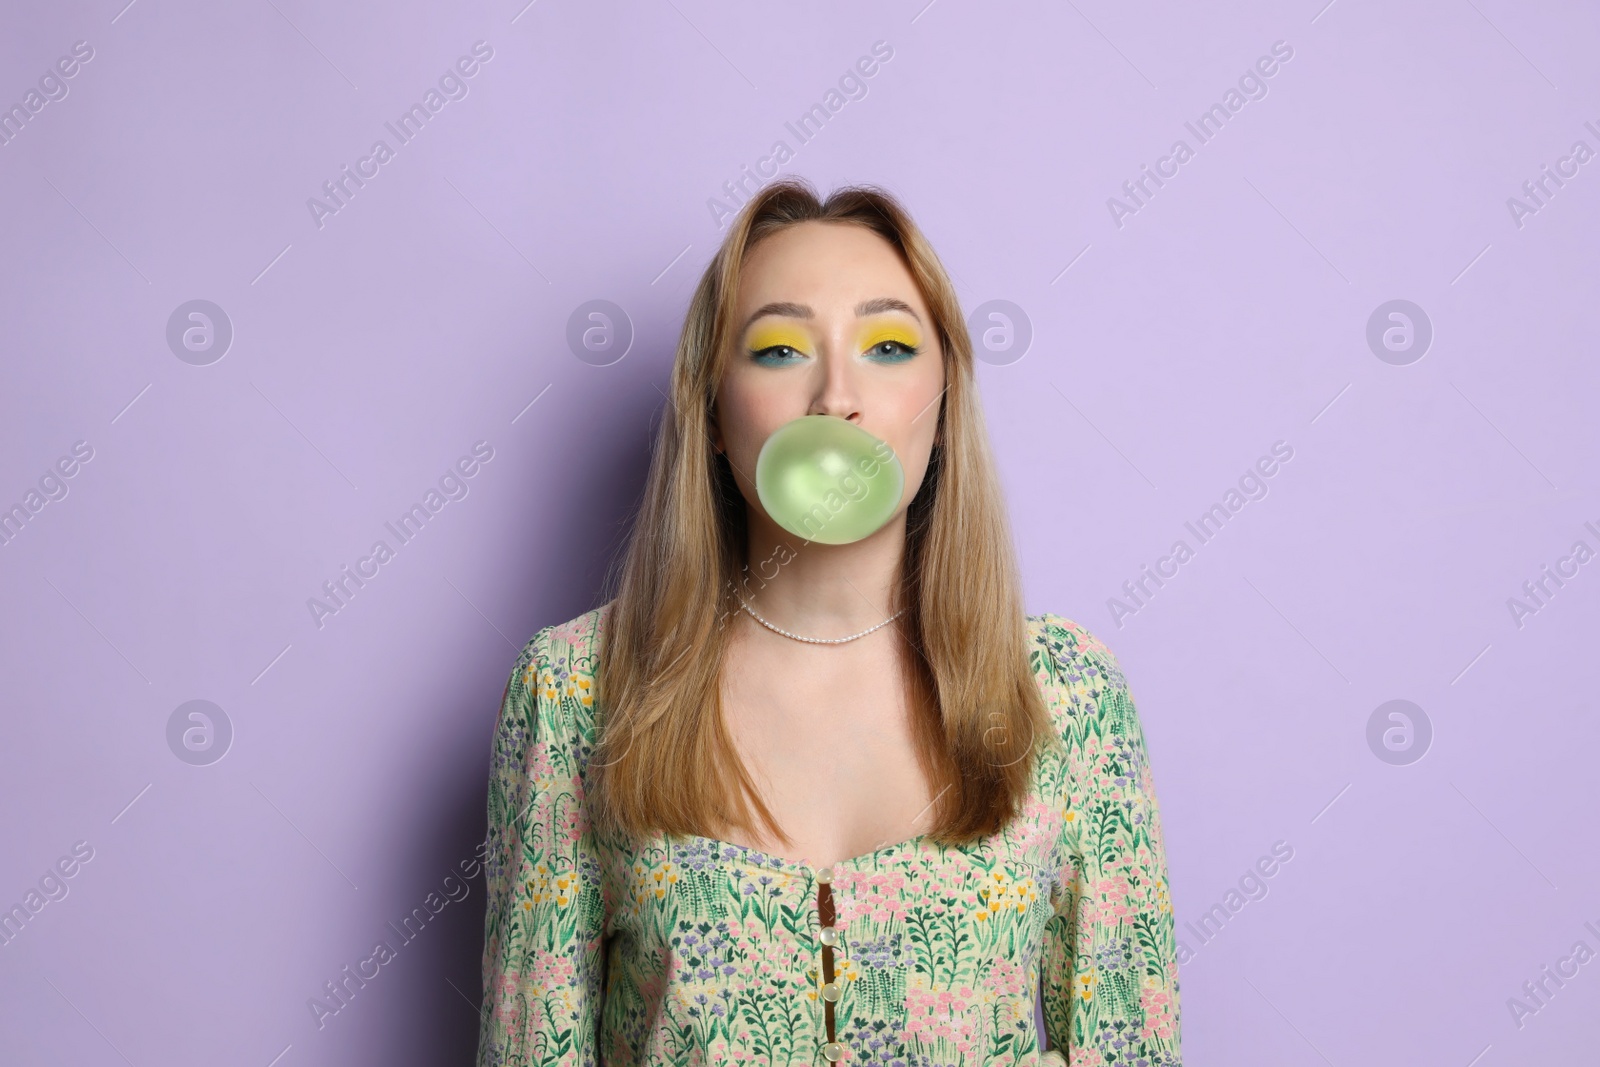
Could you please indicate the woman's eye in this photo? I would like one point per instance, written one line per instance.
(773, 354)
(892, 350)
(883, 351)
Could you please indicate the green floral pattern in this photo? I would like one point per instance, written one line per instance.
(695, 951)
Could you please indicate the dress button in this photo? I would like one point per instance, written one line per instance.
(825, 875)
(829, 936)
(833, 1052)
(830, 992)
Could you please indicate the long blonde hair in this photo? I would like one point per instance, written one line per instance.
(665, 760)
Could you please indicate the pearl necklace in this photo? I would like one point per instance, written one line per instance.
(820, 640)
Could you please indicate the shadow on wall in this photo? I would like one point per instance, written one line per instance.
(575, 523)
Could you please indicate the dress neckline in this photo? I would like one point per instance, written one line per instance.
(731, 852)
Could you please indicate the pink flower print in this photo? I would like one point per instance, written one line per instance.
(507, 1006)
(540, 766)
(572, 824)
(1037, 828)
(549, 973)
(1006, 977)
(1085, 1057)
(876, 896)
(956, 1015)
(1158, 1015)
(1112, 894)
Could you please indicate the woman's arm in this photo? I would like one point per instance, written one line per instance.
(544, 927)
(1110, 970)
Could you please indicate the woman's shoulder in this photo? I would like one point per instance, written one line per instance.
(1074, 649)
(579, 637)
(557, 666)
(574, 643)
(1079, 674)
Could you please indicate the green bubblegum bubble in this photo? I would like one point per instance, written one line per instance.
(827, 480)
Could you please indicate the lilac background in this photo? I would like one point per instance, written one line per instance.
(369, 353)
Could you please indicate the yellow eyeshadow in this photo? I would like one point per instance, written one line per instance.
(889, 332)
(766, 336)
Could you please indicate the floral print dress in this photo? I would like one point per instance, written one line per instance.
(696, 951)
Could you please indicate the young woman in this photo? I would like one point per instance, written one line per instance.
(781, 801)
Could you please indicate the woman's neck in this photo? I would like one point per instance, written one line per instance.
(822, 590)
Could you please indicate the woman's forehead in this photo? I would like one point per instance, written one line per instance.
(857, 274)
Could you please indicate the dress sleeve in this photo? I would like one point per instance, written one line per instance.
(544, 924)
(1109, 973)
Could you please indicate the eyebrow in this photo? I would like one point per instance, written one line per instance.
(803, 311)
